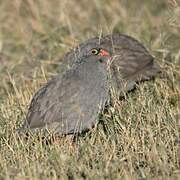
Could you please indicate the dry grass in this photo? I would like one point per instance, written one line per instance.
(139, 138)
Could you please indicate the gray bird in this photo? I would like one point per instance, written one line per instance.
(131, 60)
(70, 102)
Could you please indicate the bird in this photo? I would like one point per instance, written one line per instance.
(131, 62)
(70, 102)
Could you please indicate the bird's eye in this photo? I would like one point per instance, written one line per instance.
(95, 51)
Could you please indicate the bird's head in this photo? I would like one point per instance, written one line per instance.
(97, 55)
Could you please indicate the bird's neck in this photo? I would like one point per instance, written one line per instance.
(91, 71)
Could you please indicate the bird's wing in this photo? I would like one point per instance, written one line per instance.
(134, 65)
(62, 106)
(131, 61)
(49, 99)
(132, 58)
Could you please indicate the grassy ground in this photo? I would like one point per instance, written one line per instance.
(139, 138)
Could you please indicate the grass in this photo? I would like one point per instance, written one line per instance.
(138, 138)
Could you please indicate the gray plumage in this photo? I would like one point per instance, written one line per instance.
(131, 61)
(70, 103)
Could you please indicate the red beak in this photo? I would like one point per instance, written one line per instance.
(103, 53)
